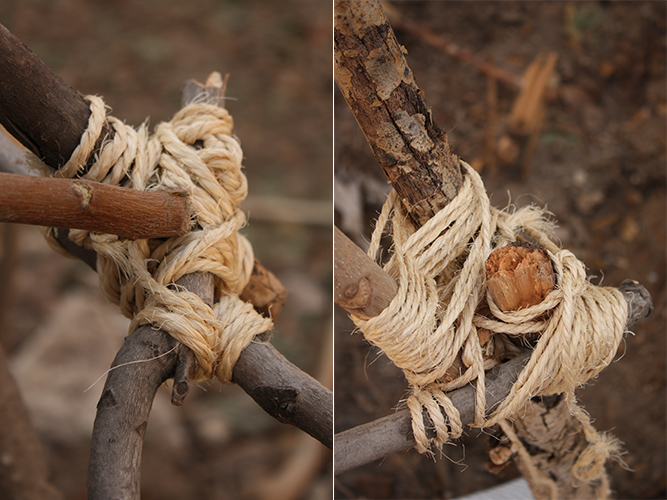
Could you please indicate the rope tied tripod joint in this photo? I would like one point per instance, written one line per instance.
(442, 303)
(196, 153)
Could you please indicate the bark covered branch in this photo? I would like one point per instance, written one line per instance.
(373, 77)
(375, 440)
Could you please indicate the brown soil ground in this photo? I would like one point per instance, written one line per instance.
(137, 55)
(599, 167)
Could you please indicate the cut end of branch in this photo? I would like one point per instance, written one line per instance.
(519, 275)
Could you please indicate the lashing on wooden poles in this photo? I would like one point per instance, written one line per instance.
(442, 306)
(196, 152)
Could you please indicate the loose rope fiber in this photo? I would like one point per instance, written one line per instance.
(440, 271)
(140, 275)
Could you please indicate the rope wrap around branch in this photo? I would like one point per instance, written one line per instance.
(440, 272)
(196, 152)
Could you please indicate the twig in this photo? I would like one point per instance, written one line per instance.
(438, 42)
(97, 207)
(374, 440)
(377, 439)
(280, 388)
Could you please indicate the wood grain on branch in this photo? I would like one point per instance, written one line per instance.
(94, 206)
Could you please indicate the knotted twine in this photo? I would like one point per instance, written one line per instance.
(440, 271)
(140, 275)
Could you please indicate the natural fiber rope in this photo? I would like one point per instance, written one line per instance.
(440, 271)
(140, 275)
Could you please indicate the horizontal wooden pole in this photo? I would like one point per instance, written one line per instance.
(93, 206)
(375, 440)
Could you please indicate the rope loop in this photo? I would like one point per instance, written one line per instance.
(434, 317)
(196, 152)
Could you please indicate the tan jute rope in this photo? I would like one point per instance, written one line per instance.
(440, 271)
(140, 275)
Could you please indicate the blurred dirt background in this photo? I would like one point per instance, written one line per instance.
(56, 325)
(599, 166)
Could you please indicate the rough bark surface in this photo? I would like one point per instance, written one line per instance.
(371, 73)
(373, 76)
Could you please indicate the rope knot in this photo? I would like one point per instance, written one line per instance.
(197, 152)
(434, 317)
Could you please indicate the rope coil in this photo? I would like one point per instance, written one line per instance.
(140, 275)
(440, 271)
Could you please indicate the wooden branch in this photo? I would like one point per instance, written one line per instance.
(94, 206)
(24, 470)
(360, 29)
(279, 387)
(520, 276)
(49, 117)
(129, 390)
(374, 440)
(373, 76)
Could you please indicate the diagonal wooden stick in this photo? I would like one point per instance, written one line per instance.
(375, 440)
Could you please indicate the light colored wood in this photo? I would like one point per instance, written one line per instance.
(519, 275)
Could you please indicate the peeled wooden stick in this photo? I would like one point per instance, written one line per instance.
(94, 206)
